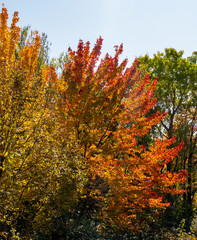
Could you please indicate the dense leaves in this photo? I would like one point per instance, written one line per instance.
(105, 107)
(34, 170)
(71, 141)
(176, 94)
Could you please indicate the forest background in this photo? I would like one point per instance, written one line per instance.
(80, 150)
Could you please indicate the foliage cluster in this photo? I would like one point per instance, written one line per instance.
(86, 149)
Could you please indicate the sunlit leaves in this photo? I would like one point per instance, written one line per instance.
(38, 172)
(105, 105)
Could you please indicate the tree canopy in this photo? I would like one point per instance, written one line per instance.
(70, 141)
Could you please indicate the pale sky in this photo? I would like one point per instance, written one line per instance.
(143, 26)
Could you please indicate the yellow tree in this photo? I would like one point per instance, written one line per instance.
(33, 160)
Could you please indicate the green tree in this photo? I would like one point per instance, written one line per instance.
(27, 36)
(176, 95)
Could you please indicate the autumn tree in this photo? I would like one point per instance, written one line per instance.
(104, 105)
(36, 177)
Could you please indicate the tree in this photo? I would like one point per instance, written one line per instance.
(175, 92)
(104, 107)
(35, 171)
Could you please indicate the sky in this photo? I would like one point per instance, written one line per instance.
(143, 26)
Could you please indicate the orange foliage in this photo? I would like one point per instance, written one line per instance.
(105, 107)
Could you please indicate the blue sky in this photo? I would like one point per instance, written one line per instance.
(143, 26)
